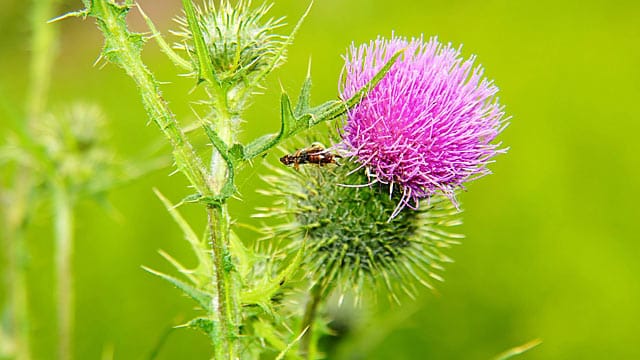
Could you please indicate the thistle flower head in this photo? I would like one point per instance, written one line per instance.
(240, 40)
(349, 240)
(430, 122)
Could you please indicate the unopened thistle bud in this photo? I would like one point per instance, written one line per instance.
(346, 230)
(240, 41)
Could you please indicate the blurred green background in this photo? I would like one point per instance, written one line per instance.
(550, 250)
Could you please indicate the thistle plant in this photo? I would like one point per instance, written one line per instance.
(67, 160)
(377, 206)
(15, 327)
(413, 140)
(54, 158)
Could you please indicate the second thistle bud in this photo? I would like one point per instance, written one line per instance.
(239, 39)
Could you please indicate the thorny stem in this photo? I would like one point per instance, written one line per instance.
(126, 53)
(307, 343)
(63, 206)
(223, 123)
(221, 306)
(226, 308)
(122, 49)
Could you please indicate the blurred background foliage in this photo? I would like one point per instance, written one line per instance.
(550, 251)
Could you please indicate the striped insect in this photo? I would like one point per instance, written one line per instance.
(315, 154)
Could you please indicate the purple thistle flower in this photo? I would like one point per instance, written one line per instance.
(428, 124)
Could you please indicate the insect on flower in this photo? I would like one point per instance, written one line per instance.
(315, 154)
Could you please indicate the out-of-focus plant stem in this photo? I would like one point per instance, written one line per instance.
(43, 43)
(43, 46)
(43, 52)
(64, 219)
(308, 341)
(17, 270)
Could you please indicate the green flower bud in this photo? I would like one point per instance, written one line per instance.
(240, 41)
(348, 230)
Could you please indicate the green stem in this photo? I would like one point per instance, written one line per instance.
(20, 300)
(222, 307)
(43, 52)
(223, 121)
(227, 303)
(307, 343)
(43, 46)
(18, 322)
(43, 42)
(63, 223)
(124, 49)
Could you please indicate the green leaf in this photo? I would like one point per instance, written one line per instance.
(287, 349)
(205, 67)
(260, 145)
(181, 268)
(266, 331)
(519, 350)
(304, 99)
(118, 48)
(237, 153)
(199, 249)
(208, 326)
(288, 124)
(245, 258)
(289, 120)
(166, 48)
(262, 293)
(79, 13)
(229, 188)
(202, 298)
(304, 117)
